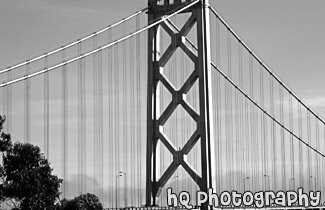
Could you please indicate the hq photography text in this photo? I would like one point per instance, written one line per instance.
(248, 199)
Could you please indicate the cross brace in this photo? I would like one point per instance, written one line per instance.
(156, 122)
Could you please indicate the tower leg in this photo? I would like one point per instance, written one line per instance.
(156, 121)
(152, 108)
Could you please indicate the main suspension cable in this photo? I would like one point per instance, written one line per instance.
(264, 65)
(98, 49)
(267, 113)
(75, 42)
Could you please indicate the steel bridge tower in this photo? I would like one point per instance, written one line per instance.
(203, 135)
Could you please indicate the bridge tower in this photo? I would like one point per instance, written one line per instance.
(203, 135)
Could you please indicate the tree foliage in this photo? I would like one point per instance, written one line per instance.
(5, 139)
(83, 202)
(5, 145)
(26, 178)
(26, 175)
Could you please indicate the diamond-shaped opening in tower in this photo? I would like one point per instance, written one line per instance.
(191, 39)
(180, 19)
(179, 127)
(178, 68)
(165, 38)
(180, 181)
(165, 97)
(164, 158)
(192, 97)
(194, 157)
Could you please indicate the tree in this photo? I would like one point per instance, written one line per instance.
(5, 139)
(5, 145)
(26, 175)
(83, 202)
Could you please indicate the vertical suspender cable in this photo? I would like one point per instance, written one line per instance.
(9, 104)
(226, 104)
(231, 130)
(116, 113)
(80, 122)
(100, 129)
(96, 120)
(266, 151)
(237, 131)
(227, 131)
(138, 105)
(219, 135)
(247, 143)
(218, 144)
(273, 135)
(241, 117)
(132, 123)
(110, 138)
(256, 140)
(317, 172)
(46, 109)
(262, 128)
(125, 112)
(96, 124)
(283, 159)
(137, 109)
(27, 105)
(64, 144)
(237, 121)
(292, 157)
(84, 123)
(308, 151)
(251, 123)
(301, 163)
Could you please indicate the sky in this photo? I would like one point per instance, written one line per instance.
(286, 35)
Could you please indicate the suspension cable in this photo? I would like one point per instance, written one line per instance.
(98, 49)
(267, 113)
(75, 42)
(248, 97)
(264, 65)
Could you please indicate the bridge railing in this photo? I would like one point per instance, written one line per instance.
(147, 208)
(246, 208)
